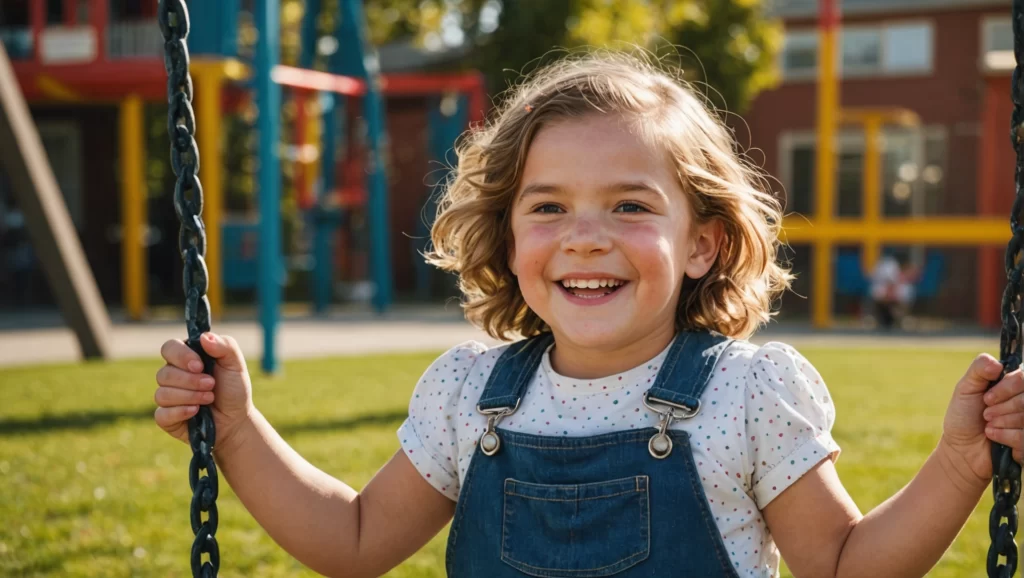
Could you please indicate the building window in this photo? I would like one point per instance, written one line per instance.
(997, 44)
(800, 54)
(913, 172)
(862, 51)
(908, 48)
(800, 185)
(897, 48)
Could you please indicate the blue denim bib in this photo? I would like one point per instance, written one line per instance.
(624, 504)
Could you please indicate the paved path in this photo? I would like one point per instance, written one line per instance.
(362, 334)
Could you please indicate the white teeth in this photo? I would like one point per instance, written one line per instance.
(591, 283)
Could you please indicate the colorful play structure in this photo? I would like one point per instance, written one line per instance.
(329, 101)
(338, 141)
(836, 271)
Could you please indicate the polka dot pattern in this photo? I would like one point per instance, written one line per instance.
(765, 421)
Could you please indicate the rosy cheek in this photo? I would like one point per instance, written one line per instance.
(533, 244)
(648, 237)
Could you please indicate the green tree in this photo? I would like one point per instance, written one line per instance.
(727, 44)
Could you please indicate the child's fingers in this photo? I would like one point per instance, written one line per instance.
(172, 396)
(982, 371)
(1010, 420)
(176, 353)
(225, 350)
(1011, 385)
(1011, 437)
(170, 376)
(1013, 405)
(168, 418)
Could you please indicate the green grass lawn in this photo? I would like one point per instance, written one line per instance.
(89, 486)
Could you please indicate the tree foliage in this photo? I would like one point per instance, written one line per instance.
(727, 45)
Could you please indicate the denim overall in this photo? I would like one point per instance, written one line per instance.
(624, 504)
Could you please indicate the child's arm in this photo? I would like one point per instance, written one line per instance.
(820, 531)
(323, 523)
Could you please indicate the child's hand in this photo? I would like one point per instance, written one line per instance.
(975, 417)
(184, 387)
(1005, 413)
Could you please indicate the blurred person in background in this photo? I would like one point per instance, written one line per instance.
(892, 291)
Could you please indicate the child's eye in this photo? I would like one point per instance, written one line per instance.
(630, 207)
(547, 208)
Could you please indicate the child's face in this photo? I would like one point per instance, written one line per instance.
(598, 206)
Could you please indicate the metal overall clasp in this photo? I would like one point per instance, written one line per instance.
(489, 441)
(660, 445)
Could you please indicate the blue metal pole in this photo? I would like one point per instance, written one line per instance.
(268, 95)
(322, 218)
(326, 224)
(380, 241)
(358, 56)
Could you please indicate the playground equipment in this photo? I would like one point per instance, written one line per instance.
(195, 244)
(245, 253)
(825, 232)
(1002, 558)
(24, 161)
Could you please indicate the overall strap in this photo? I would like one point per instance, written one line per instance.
(688, 367)
(512, 373)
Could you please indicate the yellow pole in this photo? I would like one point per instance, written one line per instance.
(828, 107)
(209, 129)
(133, 207)
(872, 191)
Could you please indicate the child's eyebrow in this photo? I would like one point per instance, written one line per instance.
(622, 187)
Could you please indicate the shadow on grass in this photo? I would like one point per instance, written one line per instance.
(372, 419)
(90, 420)
(70, 421)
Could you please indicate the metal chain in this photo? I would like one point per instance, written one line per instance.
(188, 204)
(1006, 483)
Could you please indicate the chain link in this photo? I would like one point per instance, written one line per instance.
(1006, 482)
(172, 16)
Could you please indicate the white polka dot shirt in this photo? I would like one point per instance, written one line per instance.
(766, 419)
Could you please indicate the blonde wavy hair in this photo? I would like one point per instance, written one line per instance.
(472, 232)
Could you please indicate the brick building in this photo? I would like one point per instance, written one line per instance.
(937, 58)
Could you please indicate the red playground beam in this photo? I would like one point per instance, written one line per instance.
(470, 83)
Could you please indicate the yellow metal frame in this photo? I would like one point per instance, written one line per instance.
(133, 207)
(828, 106)
(209, 77)
(824, 231)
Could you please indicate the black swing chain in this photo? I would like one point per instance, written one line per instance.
(172, 16)
(1006, 482)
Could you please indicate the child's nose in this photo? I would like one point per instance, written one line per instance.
(586, 235)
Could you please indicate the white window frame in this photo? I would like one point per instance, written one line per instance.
(798, 75)
(996, 60)
(857, 72)
(844, 72)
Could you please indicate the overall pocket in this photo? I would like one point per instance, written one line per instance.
(576, 530)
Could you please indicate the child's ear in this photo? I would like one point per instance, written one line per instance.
(707, 241)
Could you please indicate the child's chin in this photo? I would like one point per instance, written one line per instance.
(594, 335)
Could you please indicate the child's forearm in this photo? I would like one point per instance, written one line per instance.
(908, 533)
(310, 514)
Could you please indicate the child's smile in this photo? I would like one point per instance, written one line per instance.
(591, 289)
(603, 236)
